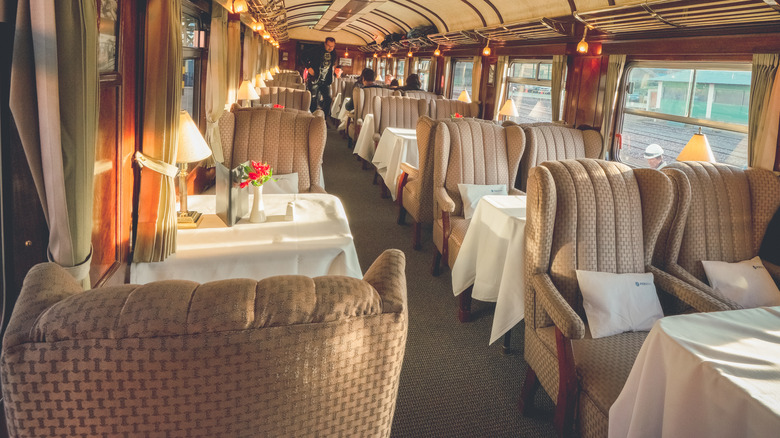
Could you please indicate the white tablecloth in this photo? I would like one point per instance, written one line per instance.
(335, 106)
(704, 375)
(318, 242)
(491, 259)
(364, 145)
(395, 146)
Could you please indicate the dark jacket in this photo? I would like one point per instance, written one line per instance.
(313, 60)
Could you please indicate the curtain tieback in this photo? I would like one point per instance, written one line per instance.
(156, 165)
(80, 271)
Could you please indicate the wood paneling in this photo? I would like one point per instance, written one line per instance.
(585, 90)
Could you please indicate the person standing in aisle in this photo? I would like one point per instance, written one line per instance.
(319, 64)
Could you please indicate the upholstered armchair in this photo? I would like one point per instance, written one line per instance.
(415, 190)
(288, 80)
(548, 142)
(287, 97)
(290, 140)
(591, 215)
(445, 108)
(420, 94)
(284, 356)
(468, 152)
(397, 112)
(724, 218)
(363, 99)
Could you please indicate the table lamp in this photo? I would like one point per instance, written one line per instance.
(191, 148)
(247, 92)
(509, 109)
(697, 149)
(464, 97)
(269, 76)
(259, 82)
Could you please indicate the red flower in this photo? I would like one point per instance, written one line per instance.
(244, 184)
(458, 116)
(278, 106)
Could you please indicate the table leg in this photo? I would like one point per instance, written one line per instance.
(507, 347)
(464, 308)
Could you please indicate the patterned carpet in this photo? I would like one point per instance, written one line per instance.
(453, 384)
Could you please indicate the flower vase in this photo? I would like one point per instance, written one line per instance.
(257, 214)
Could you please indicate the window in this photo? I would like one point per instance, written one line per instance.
(529, 87)
(461, 77)
(665, 104)
(423, 70)
(380, 74)
(192, 40)
(400, 64)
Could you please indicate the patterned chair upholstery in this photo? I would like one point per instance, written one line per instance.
(364, 105)
(420, 94)
(289, 140)
(397, 112)
(722, 215)
(445, 108)
(288, 80)
(549, 142)
(598, 216)
(284, 356)
(415, 192)
(468, 152)
(288, 97)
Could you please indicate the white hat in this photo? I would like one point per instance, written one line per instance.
(653, 151)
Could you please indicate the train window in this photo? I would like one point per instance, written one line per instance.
(400, 64)
(529, 86)
(461, 77)
(665, 104)
(192, 40)
(423, 71)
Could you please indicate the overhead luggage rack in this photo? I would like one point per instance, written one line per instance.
(680, 14)
(543, 28)
(456, 38)
(273, 15)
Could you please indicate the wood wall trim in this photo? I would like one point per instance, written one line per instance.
(697, 45)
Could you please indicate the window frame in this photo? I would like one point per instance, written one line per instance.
(417, 60)
(198, 54)
(536, 81)
(453, 61)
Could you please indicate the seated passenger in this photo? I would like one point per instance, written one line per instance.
(394, 84)
(366, 80)
(412, 83)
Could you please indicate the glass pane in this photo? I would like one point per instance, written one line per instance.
(640, 132)
(661, 90)
(722, 96)
(189, 30)
(188, 84)
(522, 70)
(461, 78)
(399, 69)
(545, 72)
(532, 102)
(422, 70)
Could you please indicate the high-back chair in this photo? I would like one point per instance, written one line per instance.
(415, 191)
(591, 215)
(287, 82)
(724, 219)
(468, 152)
(283, 356)
(446, 108)
(289, 140)
(549, 142)
(364, 105)
(397, 112)
(420, 94)
(287, 97)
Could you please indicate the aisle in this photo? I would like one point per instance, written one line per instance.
(452, 383)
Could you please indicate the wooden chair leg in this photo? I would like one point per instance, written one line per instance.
(416, 231)
(464, 305)
(376, 176)
(401, 215)
(365, 165)
(567, 386)
(385, 190)
(530, 385)
(436, 268)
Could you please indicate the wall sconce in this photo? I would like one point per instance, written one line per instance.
(346, 53)
(257, 26)
(486, 50)
(375, 55)
(437, 52)
(266, 35)
(389, 55)
(582, 47)
(239, 6)
(697, 149)
(409, 54)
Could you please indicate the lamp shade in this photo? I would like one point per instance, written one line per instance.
(697, 149)
(464, 97)
(191, 147)
(259, 82)
(269, 76)
(247, 92)
(509, 109)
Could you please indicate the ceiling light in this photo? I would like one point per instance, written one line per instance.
(389, 55)
(410, 53)
(239, 6)
(486, 50)
(437, 52)
(374, 54)
(266, 35)
(582, 47)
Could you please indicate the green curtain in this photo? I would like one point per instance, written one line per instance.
(216, 80)
(764, 111)
(558, 71)
(614, 76)
(156, 231)
(54, 102)
(233, 59)
(500, 83)
(476, 78)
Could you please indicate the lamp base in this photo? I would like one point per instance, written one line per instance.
(188, 219)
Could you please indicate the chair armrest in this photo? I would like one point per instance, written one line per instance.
(387, 276)
(516, 192)
(376, 138)
(410, 170)
(359, 122)
(445, 202)
(562, 314)
(690, 295)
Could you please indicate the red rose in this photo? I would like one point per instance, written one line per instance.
(244, 184)
(254, 175)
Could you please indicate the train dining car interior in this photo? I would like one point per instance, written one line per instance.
(406, 218)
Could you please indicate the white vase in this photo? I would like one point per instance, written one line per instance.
(257, 214)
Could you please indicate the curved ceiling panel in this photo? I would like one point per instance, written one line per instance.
(342, 37)
(534, 10)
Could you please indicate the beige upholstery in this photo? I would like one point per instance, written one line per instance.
(598, 216)
(289, 140)
(469, 152)
(417, 195)
(548, 142)
(724, 218)
(397, 112)
(284, 356)
(364, 104)
(445, 108)
(288, 97)
(420, 94)
(288, 80)
(338, 86)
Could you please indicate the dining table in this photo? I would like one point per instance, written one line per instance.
(396, 146)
